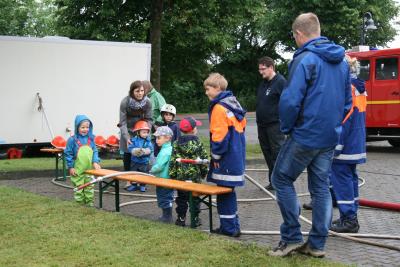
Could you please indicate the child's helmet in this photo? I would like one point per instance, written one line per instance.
(168, 108)
(100, 141)
(59, 142)
(112, 140)
(141, 125)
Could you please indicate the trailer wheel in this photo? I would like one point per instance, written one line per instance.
(395, 143)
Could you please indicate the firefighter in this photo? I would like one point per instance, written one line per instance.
(350, 151)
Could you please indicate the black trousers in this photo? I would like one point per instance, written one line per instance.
(182, 201)
(127, 161)
(271, 139)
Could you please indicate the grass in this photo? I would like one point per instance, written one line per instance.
(39, 231)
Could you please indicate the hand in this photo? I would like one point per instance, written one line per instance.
(96, 166)
(136, 152)
(129, 142)
(146, 151)
(72, 172)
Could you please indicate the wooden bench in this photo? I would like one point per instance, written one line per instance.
(203, 191)
(59, 156)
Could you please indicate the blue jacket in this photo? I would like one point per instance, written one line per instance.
(161, 167)
(317, 96)
(351, 148)
(139, 142)
(227, 140)
(72, 147)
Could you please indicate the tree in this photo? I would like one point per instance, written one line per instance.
(27, 18)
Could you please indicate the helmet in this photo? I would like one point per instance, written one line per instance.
(141, 125)
(112, 140)
(59, 142)
(168, 108)
(163, 131)
(100, 140)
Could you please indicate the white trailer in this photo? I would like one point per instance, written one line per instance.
(46, 82)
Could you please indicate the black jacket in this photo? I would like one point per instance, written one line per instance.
(268, 95)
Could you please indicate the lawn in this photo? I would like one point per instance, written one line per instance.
(39, 231)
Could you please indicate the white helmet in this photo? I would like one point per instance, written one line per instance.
(168, 108)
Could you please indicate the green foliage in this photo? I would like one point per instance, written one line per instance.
(27, 18)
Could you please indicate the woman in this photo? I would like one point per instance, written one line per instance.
(136, 106)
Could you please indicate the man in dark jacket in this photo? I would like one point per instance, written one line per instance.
(311, 109)
(267, 113)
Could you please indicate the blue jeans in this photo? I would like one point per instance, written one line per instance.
(293, 158)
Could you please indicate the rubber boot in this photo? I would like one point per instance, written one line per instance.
(166, 215)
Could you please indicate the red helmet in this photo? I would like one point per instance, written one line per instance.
(141, 125)
(59, 142)
(100, 141)
(112, 140)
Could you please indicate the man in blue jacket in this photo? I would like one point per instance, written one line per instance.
(311, 109)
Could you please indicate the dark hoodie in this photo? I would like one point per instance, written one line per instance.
(318, 94)
(227, 140)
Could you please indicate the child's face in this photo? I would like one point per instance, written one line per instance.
(143, 133)
(83, 128)
(168, 117)
(162, 139)
(138, 93)
(212, 92)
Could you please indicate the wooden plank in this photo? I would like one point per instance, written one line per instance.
(198, 189)
(52, 150)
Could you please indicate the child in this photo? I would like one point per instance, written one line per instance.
(168, 113)
(228, 152)
(141, 149)
(81, 154)
(188, 146)
(163, 136)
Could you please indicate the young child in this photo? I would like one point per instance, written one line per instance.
(81, 154)
(188, 146)
(168, 113)
(165, 196)
(228, 149)
(141, 149)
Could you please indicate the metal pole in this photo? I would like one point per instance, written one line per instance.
(362, 31)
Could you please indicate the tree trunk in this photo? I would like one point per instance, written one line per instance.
(155, 39)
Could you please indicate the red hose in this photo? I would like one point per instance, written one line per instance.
(380, 205)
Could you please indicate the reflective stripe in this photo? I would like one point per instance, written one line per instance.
(352, 156)
(229, 178)
(227, 216)
(215, 156)
(345, 201)
(377, 102)
(339, 147)
(356, 198)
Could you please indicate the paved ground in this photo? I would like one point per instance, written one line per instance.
(382, 177)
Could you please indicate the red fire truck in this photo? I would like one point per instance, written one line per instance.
(380, 70)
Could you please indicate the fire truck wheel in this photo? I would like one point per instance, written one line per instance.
(395, 143)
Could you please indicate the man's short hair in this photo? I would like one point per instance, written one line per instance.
(308, 24)
(266, 61)
(216, 80)
(147, 86)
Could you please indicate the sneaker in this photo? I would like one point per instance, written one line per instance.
(284, 249)
(307, 250)
(132, 188)
(180, 221)
(346, 226)
(269, 187)
(197, 222)
(218, 231)
(307, 206)
(143, 188)
(337, 221)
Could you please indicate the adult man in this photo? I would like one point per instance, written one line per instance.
(157, 101)
(267, 113)
(311, 109)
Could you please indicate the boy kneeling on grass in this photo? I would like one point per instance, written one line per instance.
(187, 146)
(81, 155)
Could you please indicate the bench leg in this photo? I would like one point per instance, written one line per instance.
(56, 174)
(101, 195)
(116, 184)
(64, 167)
(210, 213)
(191, 209)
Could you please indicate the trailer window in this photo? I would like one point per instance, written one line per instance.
(364, 69)
(386, 69)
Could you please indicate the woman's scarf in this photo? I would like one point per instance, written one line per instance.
(137, 104)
